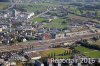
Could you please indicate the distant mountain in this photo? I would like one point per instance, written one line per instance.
(51, 0)
(79, 0)
(4, 0)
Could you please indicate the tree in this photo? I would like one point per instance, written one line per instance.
(65, 53)
(54, 56)
(51, 55)
(95, 38)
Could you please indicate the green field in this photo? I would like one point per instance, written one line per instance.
(93, 54)
(56, 23)
(36, 7)
(58, 20)
(82, 49)
(38, 19)
(3, 6)
(88, 52)
(72, 16)
(48, 4)
(57, 51)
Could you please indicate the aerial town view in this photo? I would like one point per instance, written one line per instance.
(49, 32)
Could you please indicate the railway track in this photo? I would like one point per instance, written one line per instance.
(44, 43)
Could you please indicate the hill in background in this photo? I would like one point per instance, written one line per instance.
(4, 0)
(51, 0)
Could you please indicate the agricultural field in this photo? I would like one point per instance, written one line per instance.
(80, 10)
(48, 4)
(38, 19)
(58, 20)
(57, 23)
(88, 52)
(3, 6)
(72, 16)
(75, 10)
(36, 7)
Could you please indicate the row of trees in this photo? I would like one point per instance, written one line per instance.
(65, 53)
(85, 43)
(90, 11)
(53, 55)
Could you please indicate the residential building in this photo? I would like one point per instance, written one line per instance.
(32, 55)
(38, 63)
(24, 16)
(0, 29)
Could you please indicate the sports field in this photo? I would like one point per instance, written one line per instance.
(57, 52)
